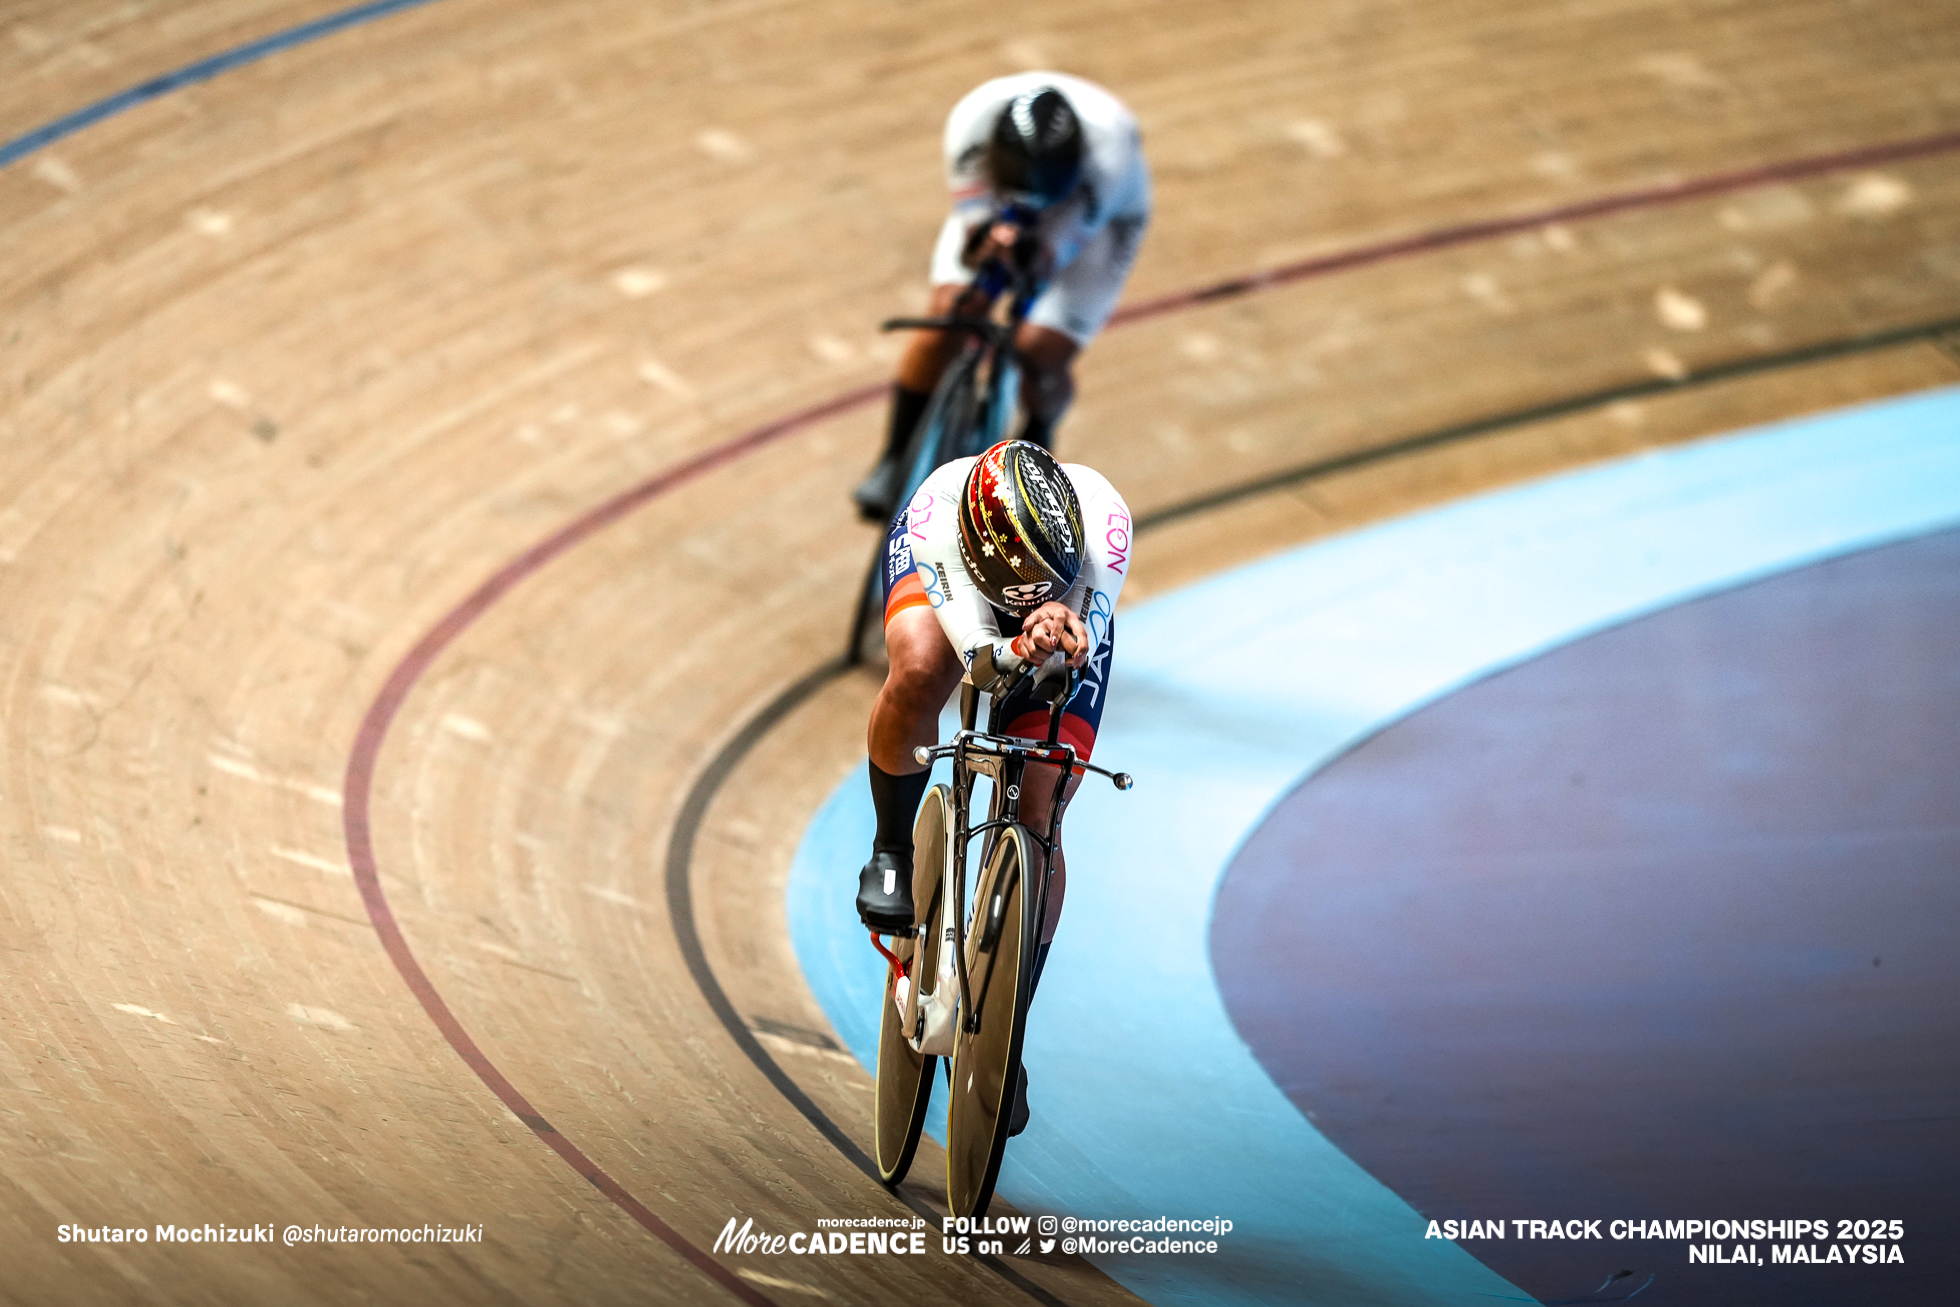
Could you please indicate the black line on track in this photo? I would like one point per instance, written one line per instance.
(1948, 343)
(680, 908)
(680, 846)
(1936, 333)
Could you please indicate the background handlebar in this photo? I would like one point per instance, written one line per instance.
(977, 326)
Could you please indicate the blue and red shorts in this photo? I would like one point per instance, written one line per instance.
(910, 584)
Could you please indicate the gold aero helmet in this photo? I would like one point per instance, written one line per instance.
(1020, 527)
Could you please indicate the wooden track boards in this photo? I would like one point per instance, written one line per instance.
(292, 360)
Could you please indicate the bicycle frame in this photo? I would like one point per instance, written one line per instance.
(1003, 760)
(993, 392)
(988, 359)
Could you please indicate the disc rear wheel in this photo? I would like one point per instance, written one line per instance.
(987, 1059)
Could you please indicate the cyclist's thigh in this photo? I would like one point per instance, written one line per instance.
(1082, 296)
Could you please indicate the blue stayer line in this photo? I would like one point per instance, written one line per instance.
(1145, 1100)
(202, 70)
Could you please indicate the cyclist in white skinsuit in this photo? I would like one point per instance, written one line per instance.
(1067, 152)
(997, 562)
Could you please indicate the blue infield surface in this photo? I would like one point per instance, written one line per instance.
(1147, 1099)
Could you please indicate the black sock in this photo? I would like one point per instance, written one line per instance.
(908, 406)
(896, 799)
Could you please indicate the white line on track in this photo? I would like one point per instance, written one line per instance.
(331, 866)
(246, 771)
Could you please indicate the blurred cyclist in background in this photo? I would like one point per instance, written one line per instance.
(1065, 154)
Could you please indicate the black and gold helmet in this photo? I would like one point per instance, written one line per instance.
(1020, 527)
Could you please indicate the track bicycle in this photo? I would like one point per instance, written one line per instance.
(973, 403)
(958, 986)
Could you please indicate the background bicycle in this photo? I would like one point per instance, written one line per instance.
(970, 408)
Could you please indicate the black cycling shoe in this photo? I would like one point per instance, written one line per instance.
(885, 893)
(876, 496)
(1017, 1120)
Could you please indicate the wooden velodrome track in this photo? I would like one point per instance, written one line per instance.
(295, 359)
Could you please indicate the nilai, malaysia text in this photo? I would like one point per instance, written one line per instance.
(1800, 1240)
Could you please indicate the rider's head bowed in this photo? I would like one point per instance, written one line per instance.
(1034, 157)
(1020, 527)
